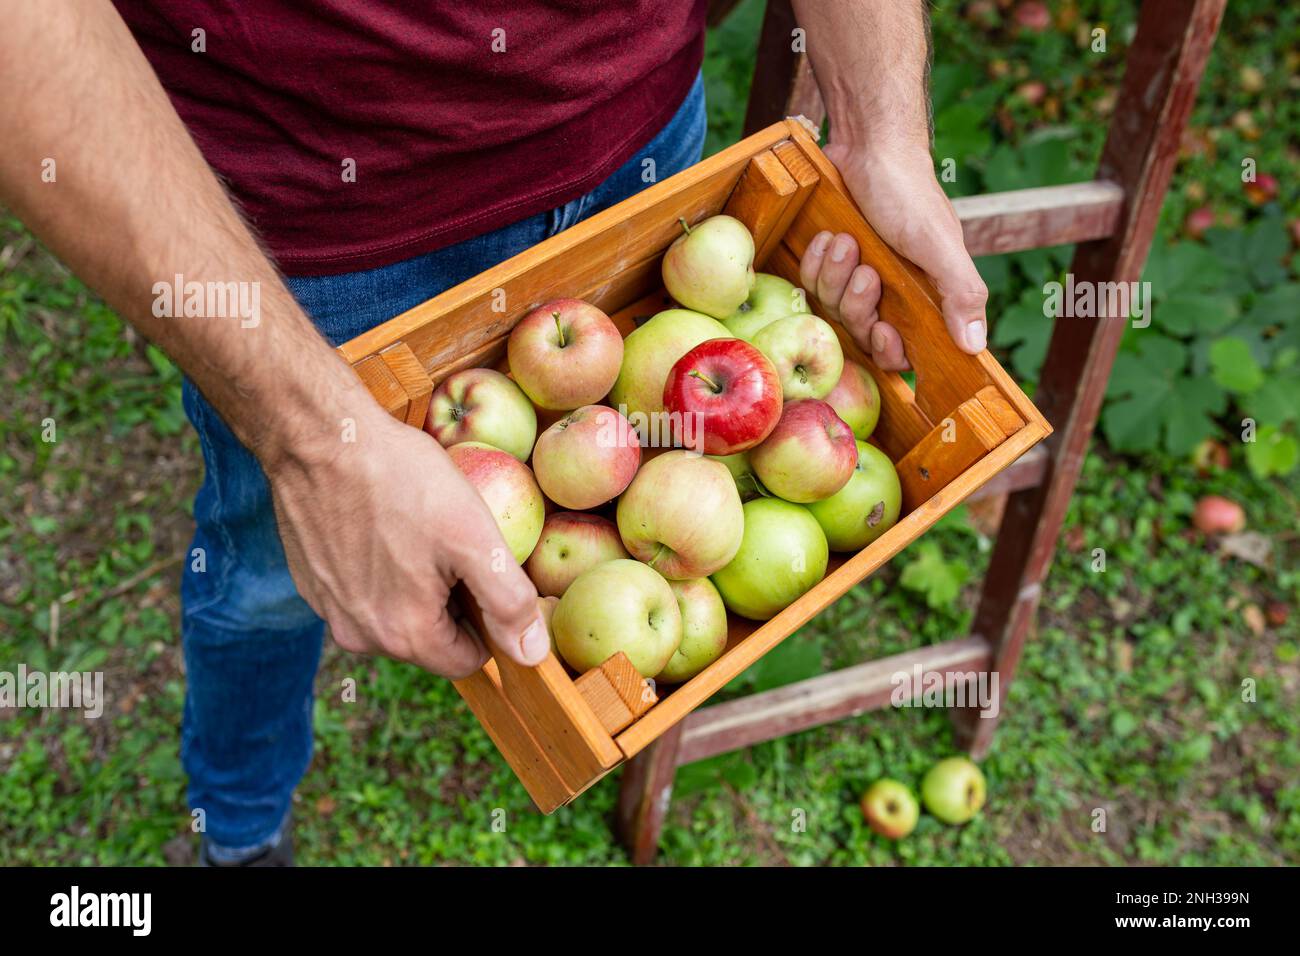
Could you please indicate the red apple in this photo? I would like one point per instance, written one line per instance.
(1215, 514)
(856, 399)
(723, 397)
(1199, 220)
(1262, 190)
(565, 354)
(508, 488)
(1033, 15)
(571, 542)
(587, 458)
(810, 454)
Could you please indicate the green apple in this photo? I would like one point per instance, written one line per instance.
(704, 630)
(481, 404)
(621, 605)
(571, 542)
(547, 606)
(806, 353)
(866, 507)
(772, 298)
(710, 267)
(649, 354)
(953, 790)
(742, 472)
(890, 809)
(856, 399)
(782, 555)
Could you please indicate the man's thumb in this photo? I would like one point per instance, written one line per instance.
(509, 617)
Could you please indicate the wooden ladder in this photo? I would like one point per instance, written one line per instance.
(1112, 219)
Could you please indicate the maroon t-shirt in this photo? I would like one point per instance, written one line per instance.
(456, 117)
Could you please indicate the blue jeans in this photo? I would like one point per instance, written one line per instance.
(252, 645)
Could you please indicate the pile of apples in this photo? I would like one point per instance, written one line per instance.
(707, 463)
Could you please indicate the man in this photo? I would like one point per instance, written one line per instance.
(384, 152)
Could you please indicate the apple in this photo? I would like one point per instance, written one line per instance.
(772, 298)
(649, 353)
(508, 488)
(621, 605)
(682, 515)
(783, 554)
(866, 507)
(586, 458)
(704, 630)
(481, 404)
(1215, 514)
(806, 353)
(810, 454)
(742, 473)
(722, 397)
(953, 790)
(856, 399)
(890, 809)
(571, 543)
(565, 354)
(710, 267)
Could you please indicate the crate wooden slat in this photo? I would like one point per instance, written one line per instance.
(965, 422)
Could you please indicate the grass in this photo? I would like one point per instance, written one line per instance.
(1129, 698)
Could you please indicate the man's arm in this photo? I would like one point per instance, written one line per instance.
(871, 58)
(376, 530)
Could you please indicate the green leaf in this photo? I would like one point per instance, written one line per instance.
(1273, 452)
(797, 658)
(1189, 413)
(938, 580)
(1234, 367)
(1276, 402)
(1187, 312)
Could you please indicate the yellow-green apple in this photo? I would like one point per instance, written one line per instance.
(565, 354)
(742, 472)
(953, 790)
(722, 397)
(806, 353)
(783, 554)
(547, 605)
(682, 515)
(620, 605)
(810, 454)
(587, 457)
(890, 809)
(481, 404)
(866, 507)
(704, 630)
(649, 352)
(571, 542)
(710, 267)
(508, 488)
(772, 298)
(856, 399)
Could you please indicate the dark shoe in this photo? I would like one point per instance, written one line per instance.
(279, 855)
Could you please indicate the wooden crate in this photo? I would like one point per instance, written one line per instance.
(964, 423)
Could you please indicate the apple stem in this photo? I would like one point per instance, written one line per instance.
(559, 327)
(717, 389)
(803, 374)
(682, 220)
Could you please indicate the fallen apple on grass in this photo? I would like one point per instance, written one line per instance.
(866, 507)
(890, 809)
(1215, 514)
(571, 542)
(586, 458)
(508, 488)
(681, 515)
(649, 353)
(481, 404)
(620, 605)
(856, 399)
(807, 355)
(771, 298)
(704, 630)
(810, 454)
(565, 354)
(782, 555)
(953, 790)
(742, 472)
(722, 397)
(710, 267)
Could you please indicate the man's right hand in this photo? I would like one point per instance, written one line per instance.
(377, 531)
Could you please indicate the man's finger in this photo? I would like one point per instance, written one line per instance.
(449, 650)
(962, 292)
(506, 597)
(887, 348)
